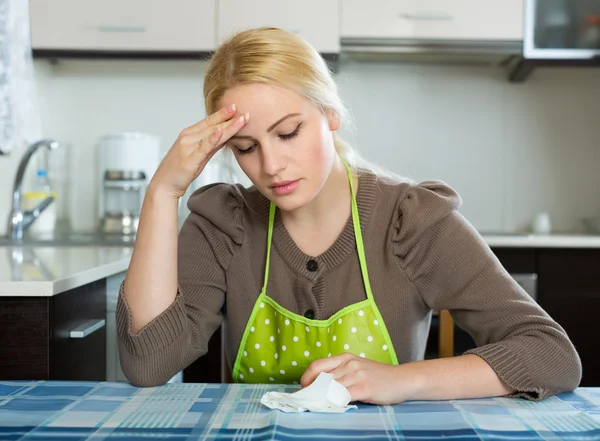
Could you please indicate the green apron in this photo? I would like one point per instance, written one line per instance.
(278, 345)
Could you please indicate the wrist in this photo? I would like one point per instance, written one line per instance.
(157, 193)
(411, 381)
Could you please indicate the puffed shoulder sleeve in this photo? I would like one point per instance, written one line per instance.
(454, 269)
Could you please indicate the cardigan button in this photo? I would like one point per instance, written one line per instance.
(312, 265)
(309, 314)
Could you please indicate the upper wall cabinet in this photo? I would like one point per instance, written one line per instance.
(433, 19)
(315, 20)
(123, 25)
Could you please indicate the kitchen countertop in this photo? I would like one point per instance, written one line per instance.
(46, 270)
(525, 240)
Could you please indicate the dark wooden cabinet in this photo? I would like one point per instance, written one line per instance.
(36, 338)
(569, 290)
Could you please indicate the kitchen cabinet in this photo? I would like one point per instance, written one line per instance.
(62, 337)
(315, 20)
(569, 290)
(433, 19)
(186, 26)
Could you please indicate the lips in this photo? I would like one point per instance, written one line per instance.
(285, 187)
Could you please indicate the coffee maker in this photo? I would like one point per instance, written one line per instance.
(127, 161)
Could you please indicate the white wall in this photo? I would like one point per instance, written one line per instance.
(510, 150)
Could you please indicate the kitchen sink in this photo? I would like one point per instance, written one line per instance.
(70, 240)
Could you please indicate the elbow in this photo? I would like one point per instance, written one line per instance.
(572, 372)
(566, 376)
(148, 370)
(138, 375)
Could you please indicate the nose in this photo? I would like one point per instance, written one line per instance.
(273, 160)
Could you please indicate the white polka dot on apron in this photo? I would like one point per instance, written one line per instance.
(361, 312)
(329, 355)
(262, 305)
(346, 346)
(283, 348)
(282, 372)
(272, 338)
(385, 347)
(245, 353)
(267, 322)
(328, 330)
(271, 378)
(318, 344)
(306, 353)
(295, 338)
(278, 331)
(276, 355)
(287, 322)
(369, 338)
(257, 345)
(263, 363)
(307, 329)
(353, 330)
(334, 338)
(242, 376)
(375, 322)
(294, 363)
(252, 329)
(340, 321)
(251, 370)
(362, 354)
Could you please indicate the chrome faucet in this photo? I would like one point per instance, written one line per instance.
(19, 221)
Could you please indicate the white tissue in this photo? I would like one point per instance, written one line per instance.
(323, 395)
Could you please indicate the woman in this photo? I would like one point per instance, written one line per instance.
(322, 265)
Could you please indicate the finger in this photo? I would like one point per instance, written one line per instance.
(358, 392)
(233, 128)
(208, 130)
(214, 119)
(207, 145)
(322, 365)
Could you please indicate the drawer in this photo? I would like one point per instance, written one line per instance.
(433, 19)
(315, 20)
(123, 25)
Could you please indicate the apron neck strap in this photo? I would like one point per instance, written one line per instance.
(357, 236)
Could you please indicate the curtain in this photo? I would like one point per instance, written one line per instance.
(19, 109)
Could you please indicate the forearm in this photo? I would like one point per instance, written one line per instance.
(465, 376)
(151, 283)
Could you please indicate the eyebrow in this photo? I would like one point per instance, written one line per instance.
(270, 129)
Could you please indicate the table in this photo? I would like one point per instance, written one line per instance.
(52, 410)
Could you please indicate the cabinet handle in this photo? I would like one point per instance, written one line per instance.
(87, 328)
(124, 28)
(439, 16)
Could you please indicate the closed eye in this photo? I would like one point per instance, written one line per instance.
(292, 134)
(285, 137)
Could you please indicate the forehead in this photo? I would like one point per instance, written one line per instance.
(263, 100)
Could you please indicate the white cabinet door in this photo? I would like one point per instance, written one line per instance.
(123, 25)
(315, 20)
(433, 19)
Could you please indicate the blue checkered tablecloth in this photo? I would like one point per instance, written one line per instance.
(71, 411)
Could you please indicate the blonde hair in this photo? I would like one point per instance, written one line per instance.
(275, 56)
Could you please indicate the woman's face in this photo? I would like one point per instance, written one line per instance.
(286, 149)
